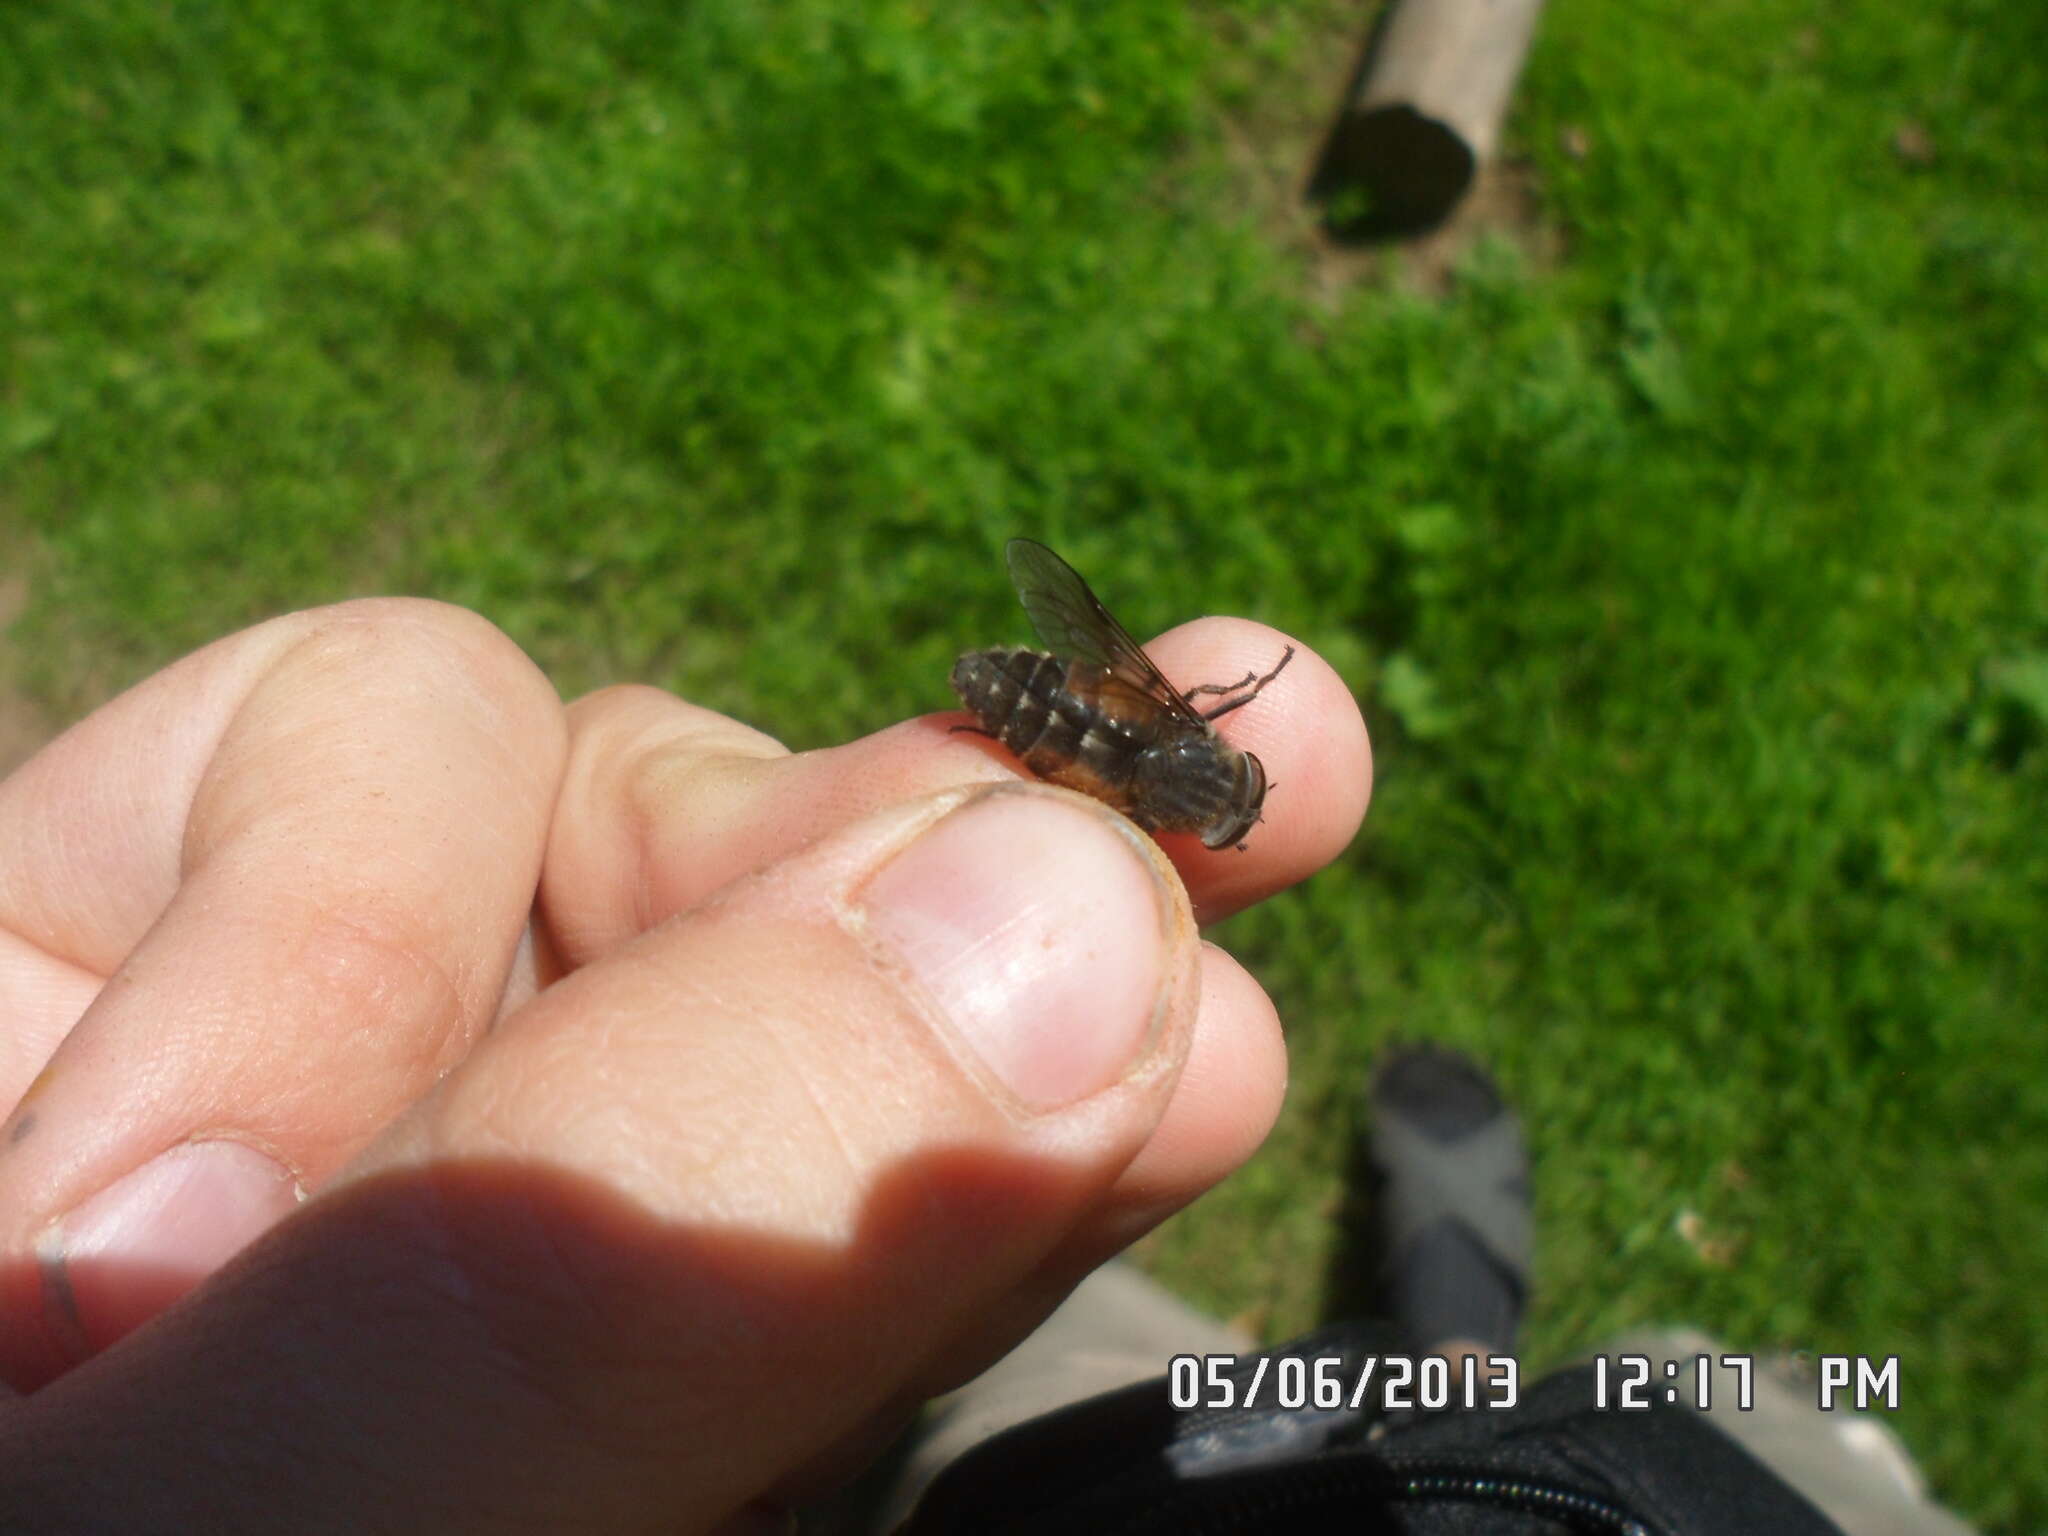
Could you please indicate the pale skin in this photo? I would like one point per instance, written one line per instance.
(588, 1118)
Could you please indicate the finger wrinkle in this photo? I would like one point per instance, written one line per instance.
(382, 982)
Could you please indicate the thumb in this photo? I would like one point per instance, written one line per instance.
(691, 1217)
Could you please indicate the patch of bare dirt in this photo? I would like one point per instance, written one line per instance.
(1277, 137)
(1503, 202)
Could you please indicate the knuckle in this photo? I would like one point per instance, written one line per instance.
(410, 637)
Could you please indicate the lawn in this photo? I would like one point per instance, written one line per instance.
(1684, 535)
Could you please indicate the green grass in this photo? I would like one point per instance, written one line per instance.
(1693, 575)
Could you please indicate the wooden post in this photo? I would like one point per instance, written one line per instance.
(1425, 111)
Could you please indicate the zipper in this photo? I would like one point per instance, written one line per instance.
(1423, 1477)
(1394, 1479)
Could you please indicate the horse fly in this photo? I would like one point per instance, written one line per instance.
(1093, 713)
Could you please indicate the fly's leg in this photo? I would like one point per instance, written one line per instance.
(972, 730)
(1252, 684)
(1256, 820)
(1243, 682)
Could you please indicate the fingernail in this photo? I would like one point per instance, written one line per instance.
(131, 1250)
(1039, 928)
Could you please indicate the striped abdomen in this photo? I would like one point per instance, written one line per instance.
(1166, 773)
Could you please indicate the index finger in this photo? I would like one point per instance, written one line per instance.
(664, 802)
(1305, 728)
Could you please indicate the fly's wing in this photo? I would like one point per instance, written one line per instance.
(1072, 622)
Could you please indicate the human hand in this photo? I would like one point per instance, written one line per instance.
(675, 1112)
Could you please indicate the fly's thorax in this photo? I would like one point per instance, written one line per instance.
(1198, 783)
